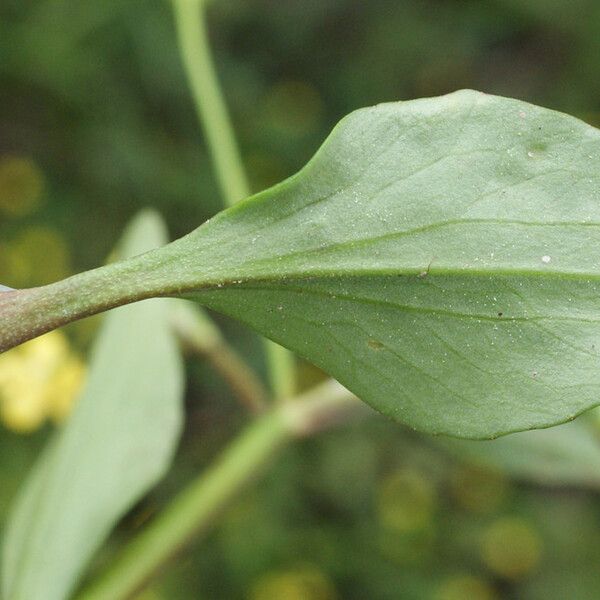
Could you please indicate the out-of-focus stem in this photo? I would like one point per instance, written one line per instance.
(216, 123)
(209, 101)
(282, 371)
(200, 334)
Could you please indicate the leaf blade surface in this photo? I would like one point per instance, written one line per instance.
(440, 257)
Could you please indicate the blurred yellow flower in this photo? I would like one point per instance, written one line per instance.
(38, 381)
(511, 547)
(406, 501)
(21, 186)
(303, 583)
(36, 256)
(465, 587)
(43, 256)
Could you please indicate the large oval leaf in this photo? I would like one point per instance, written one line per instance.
(440, 257)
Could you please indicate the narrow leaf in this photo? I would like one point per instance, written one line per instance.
(118, 443)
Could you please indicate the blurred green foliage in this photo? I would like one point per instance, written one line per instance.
(96, 122)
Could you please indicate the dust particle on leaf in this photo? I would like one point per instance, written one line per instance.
(375, 344)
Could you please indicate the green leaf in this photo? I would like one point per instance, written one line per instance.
(568, 455)
(118, 443)
(440, 257)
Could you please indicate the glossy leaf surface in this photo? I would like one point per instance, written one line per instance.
(118, 442)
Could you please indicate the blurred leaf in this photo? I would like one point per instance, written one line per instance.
(18, 453)
(117, 444)
(561, 456)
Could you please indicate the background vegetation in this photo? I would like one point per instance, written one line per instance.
(96, 122)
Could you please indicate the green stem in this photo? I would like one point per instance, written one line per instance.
(282, 371)
(216, 122)
(199, 334)
(198, 507)
(210, 104)
(27, 313)
(242, 380)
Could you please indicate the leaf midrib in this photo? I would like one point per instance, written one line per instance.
(466, 272)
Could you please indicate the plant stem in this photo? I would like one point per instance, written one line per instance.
(282, 371)
(199, 334)
(209, 101)
(27, 313)
(195, 510)
(242, 380)
(231, 175)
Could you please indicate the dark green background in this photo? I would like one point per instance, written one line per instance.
(94, 95)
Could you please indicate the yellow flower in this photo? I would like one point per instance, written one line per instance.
(38, 381)
(41, 255)
(462, 587)
(511, 547)
(21, 186)
(22, 408)
(406, 501)
(302, 583)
